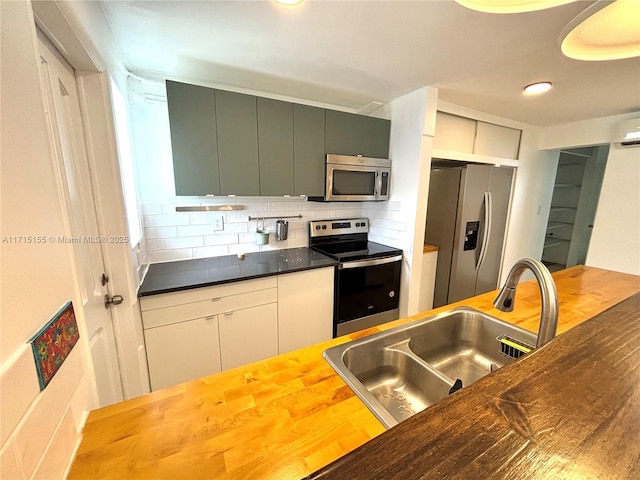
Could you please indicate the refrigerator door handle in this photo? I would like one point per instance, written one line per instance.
(486, 230)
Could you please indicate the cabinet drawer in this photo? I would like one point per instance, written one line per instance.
(152, 302)
(182, 352)
(208, 307)
(248, 335)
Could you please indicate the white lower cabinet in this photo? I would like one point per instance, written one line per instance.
(248, 335)
(182, 351)
(197, 332)
(305, 308)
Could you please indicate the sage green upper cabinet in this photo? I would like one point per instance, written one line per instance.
(275, 146)
(227, 143)
(350, 134)
(192, 119)
(236, 116)
(308, 150)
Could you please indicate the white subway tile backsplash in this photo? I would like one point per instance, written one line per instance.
(156, 244)
(213, 251)
(389, 224)
(384, 233)
(298, 242)
(169, 255)
(243, 248)
(166, 220)
(247, 237)
(203, 218)
(184, 242)
(221, 239)
(167, 240)
(237, 227)
(239, 217)
(160, 232)
(195, 230)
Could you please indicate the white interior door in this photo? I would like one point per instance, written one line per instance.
(83, 228)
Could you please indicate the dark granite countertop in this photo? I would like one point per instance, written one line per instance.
(205, 272)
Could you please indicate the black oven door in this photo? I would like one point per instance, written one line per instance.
(367, 287)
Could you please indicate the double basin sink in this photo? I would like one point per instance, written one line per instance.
(403, 370)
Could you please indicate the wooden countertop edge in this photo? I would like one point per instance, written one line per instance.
(289, 415)
(430, 248)
(568, 410)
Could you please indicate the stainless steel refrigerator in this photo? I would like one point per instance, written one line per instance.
(466, 219)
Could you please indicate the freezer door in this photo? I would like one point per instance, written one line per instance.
(444, 187)
(500, 182)
(471, 213)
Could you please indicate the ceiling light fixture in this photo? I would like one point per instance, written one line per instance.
(537, 88)
(604, 31)
(510, 6)
(289, 3)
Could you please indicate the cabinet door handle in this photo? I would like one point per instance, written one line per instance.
(217, 299)
(228, 314)
(210, 317)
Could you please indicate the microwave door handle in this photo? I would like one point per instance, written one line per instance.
(378, 187)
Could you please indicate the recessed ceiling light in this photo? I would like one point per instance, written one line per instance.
(604, 31)
(511, 6)
(288, 3)
(537, 88)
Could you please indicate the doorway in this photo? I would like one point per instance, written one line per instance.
(573, 206)
(59, 84)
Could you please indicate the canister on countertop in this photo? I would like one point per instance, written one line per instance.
(282, 229)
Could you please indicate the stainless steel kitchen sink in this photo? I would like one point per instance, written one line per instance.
(401, 371)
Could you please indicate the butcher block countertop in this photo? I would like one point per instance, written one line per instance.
(291, 415)
(430, 248)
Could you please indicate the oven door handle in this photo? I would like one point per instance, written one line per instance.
(369, 263)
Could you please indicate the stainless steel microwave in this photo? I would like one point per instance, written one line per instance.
(356, 179)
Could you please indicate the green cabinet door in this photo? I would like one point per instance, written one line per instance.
(308, 150)
(275, 146)
(350, 134)
(236, 116)
(192, 120)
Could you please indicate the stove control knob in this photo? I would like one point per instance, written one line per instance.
(324, 227)
(317, 227)
(357, 224)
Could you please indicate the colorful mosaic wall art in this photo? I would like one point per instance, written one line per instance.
(52, 345)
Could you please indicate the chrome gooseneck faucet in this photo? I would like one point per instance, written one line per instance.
(549, 313)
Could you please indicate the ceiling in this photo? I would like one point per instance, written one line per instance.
(350, 53)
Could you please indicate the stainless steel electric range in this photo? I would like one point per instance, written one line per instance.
(367, 280)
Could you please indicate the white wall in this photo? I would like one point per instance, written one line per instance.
(615, 241)
(400, 222)
(39, 430)
(531, 202)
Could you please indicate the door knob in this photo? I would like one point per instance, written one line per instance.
(115, 300)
